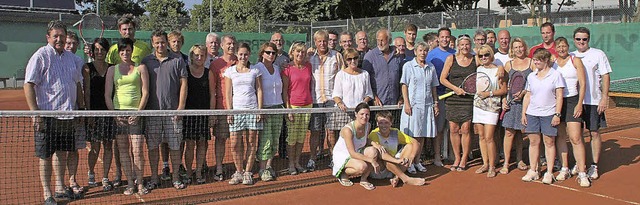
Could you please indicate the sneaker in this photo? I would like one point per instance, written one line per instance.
(420, 168)
(412, 169)
(583, 180)
(547, 178)
(247, 178)
(593, 172)
(236, 178)
(531, 176)
(92, 180)
(265, 175)
(564, 174)
(272, 172)
(311, 165)
(183, 171)
(50, 201)
(166, 174)
(574, 170)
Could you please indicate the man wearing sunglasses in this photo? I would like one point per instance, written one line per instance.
(547, 30)
(596, 98)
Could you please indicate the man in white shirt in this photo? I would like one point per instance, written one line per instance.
(596, 98)
(502, 54)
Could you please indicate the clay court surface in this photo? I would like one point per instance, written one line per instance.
(619, 182)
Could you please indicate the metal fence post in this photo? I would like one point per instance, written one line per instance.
(389, 23)
(259, 26)
(442, 20)
(477, 19)
(347, 24)
(591, 11)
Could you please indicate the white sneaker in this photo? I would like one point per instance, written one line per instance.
(236, 178)
(583, 180)
(574, 170)
(412, 169)
(593, 172)
(531, 176)
(420, 168)
(311, 165)
(563, 174)
(547, 178)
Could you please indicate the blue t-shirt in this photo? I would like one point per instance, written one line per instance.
(437, 57)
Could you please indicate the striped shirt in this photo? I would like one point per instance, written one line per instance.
(324, 74)
(54, 77)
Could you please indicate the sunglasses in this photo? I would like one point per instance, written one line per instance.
(486, 55)
(352, 59)
(269, 52)
(581, 39)
(464, 35)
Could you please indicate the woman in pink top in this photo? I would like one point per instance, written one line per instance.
(296, 86)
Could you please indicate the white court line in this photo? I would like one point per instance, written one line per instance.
(591, 193)
(629, 138)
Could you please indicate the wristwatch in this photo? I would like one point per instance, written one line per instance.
(491, 93)
(557, 114)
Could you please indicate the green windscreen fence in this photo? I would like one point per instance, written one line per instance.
(18, 41)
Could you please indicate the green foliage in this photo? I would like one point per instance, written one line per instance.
(113, 7)
(165, 15)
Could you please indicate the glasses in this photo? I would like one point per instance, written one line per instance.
(277, 40)
(480, 39)
(582, 39)
(464, 35)
(486, 55)
(352, 59)
(269, 52)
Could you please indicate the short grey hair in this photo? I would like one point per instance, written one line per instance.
(386, 31)
(480, 32)
(212, 35)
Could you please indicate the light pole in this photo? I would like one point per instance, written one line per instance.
(210, 16)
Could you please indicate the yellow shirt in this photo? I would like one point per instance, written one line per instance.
(396, 137)
(140, 50)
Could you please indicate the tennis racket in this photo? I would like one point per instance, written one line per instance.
(517, 82)
(90, 25)
(473, 83)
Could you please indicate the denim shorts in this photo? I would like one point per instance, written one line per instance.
(541, 124)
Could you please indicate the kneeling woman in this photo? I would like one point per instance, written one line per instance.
(387, 141)
(350, 156)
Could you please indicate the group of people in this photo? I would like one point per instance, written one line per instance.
(133, 75)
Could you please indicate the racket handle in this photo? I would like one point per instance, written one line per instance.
(446, 95)
(502, 114)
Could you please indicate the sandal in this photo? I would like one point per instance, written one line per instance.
(482, 169)
(345, 182)
(453, 168)
(394, 181)
(106, 185)
(522, 166)
(129, 191)
(367, 185)
(504, 170)
(179, 185)
(152, 185)
(77, 190)
(65, 194)
(461, 168)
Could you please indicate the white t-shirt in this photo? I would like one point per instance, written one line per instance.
(352, 89)
(244, 88)
(596, 65)
(570, 76)
(271, 85)
(543, 93)
(501, 59)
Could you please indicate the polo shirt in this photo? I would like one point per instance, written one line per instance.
(164, 81)
(542, 101)
(384, 75)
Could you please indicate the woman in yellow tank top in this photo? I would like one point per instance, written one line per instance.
(128, 85)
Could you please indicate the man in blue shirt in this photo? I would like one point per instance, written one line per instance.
(437, 57)
(385, 68)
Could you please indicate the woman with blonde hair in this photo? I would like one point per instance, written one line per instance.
(296, 87)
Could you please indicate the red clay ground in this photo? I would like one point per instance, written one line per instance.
(619, 183)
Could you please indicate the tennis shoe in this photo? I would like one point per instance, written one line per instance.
(412, 169)
(574, 170)
(420, 168)
(531, 176)
(166, 174)
(593, 172)
(311, 165)
(236, 178)
(583, 180)
(547, 178)
(564, 174)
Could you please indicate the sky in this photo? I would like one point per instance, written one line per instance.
(188, 4)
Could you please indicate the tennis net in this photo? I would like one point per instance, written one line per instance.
(20, 171)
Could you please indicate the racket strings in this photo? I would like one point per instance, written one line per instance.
(469, 85)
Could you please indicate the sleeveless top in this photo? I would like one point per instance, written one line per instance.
(570, 76)
(457, 73)
(524, 72)
(198, 91)
(96, 89)
(128, 89)
(490, 104)
(358, 143)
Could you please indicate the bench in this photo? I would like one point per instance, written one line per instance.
(4, 81)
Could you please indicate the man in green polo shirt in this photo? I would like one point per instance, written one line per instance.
(127, 28)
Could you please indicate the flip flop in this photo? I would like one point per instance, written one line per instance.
(461, 168)
(345, 182)
(394, 182)
(453, 168)
(367, 185)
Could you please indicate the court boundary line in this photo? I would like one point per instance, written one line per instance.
(590, 193)
(629, 138)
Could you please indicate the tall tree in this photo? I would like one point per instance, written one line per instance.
(112, 7)
(165, 15)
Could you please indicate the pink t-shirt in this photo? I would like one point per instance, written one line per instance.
(299, 84)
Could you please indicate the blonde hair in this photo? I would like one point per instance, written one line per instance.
(297, 46)
(512, 53)
(192, 52)
(486, 49)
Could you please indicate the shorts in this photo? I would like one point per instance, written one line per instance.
(196, 128)
(568, 105)
(297, 130)
(385, 173)
(221, 127)
(318, 120)
(123, 127)
(541, 124)
(245, 122)
(54, 135)
(163, 130)
(338, 119)
(100, 129)
(592, 119)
